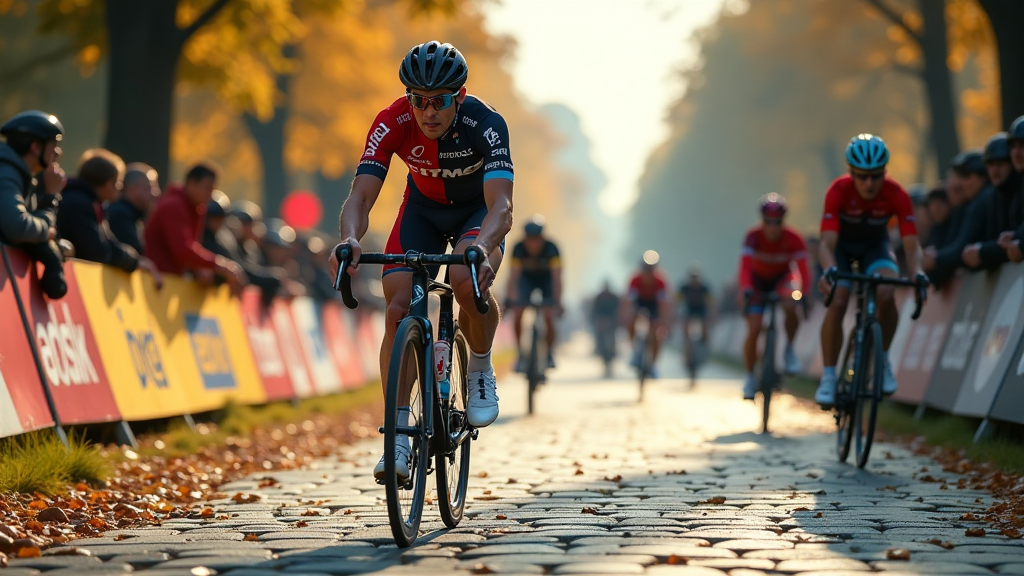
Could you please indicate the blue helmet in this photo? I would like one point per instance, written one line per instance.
(867, 152)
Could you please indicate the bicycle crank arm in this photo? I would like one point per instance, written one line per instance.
(404, 430)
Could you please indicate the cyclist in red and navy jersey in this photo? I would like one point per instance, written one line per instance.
(766, 265)
(854, 228)
(648, 292)
(458, 193)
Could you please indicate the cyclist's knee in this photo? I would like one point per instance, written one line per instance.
(397, 310)
(840, 301)
(886, 294)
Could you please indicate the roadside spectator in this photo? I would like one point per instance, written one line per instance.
(312, 251)
(81, 221)
(173, 231)
(1012, 242)
(127, 215)
(27, 219)
(919, 199)
(1005, 210)
(939, 211)
(969, 178)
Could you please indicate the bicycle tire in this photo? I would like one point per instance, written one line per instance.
(455, 466)
(767, 378)
(645, 362)
(533, 373)
(405, 502)
(844, 408)
(870, 393)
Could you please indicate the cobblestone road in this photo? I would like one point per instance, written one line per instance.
(596, 484)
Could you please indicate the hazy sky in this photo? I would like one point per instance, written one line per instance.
(614, 63)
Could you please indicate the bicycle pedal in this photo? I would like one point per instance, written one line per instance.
(380, 429)
(379, 481)
(474, 433)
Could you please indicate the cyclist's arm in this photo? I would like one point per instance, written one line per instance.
(556, 282)
(912, 250)
(355, 214)
(498, 222)
(827, 249)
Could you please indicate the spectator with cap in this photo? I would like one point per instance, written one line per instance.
(967, 175)
(1005, 210)
(81, 219)
(1011, 243)
(127, 215)
(939, 211)
(173, 232)
(28, 218)
(919, 199)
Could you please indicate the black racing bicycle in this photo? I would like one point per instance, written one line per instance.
(862, 373)
(644, 355)
(770, 378)
(695, 349)
(429, 377)
(537, 360)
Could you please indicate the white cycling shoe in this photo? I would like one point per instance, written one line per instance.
(826, 394)
(402, 466)
(483, 398)
(889, 381)
(749, 387)
(792, 363)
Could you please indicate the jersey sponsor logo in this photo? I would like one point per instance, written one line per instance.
(409, 159)
(446, 173)
(458, 154)
(373, 163)
(469, 121)
(62, 350)
(499, 152)
(418, 151)
(266, 351)
(211, 352)
(404, 118)
(493, 138)
(375, 139)
(417, 295)
(498, 164)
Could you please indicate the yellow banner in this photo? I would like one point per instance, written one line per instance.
(134, 353)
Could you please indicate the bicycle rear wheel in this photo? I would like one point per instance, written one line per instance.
(768, 376)
(407, 369)
(845, 392)
(453, 468)
(645, 362)
(534, 371)
(872, 368)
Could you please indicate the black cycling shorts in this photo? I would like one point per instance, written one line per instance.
(870, 257)
(527, 286)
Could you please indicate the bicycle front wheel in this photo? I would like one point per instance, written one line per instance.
(406, 376)
(872, 368)
(453, 468)
(768, 376)
(534, 371)
(845, 395)
(646, 362)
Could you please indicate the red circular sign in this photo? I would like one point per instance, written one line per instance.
(301, 209)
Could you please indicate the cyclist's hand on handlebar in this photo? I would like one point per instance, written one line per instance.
(485, 274)
(744, 298)
(357, 250)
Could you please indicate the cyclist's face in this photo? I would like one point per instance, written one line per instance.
(433, 122)
(772, 229)
(868, 182)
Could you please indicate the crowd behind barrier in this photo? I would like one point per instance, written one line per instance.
(964, 355)
(116, 348)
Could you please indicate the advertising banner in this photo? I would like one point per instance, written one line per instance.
(206, 342)
(340, 337)
(294, 357)
(311, 337)
(67, 348)
(133, 353)
(1009, 404)
(270, 360)
(918, 355)
(998, 339)
(971, 309)
(22, 401)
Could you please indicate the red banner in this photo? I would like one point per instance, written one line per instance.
(270, 359)
(288, 338)
(67, 348)
(341, 343)
(22, 401)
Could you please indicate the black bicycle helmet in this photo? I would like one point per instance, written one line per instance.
(1016, 131)
(997, 147)
(34, 123)
(434, 66)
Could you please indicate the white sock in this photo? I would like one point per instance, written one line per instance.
(480, 362)
(404, 414)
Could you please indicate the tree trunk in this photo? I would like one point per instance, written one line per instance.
(333, 193)
(1006, 17)
(270, 139)
(144, 47)
(937, 82)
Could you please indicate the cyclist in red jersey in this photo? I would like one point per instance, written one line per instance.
(458, 194)
(854, 228)
(766, 265)
(648, 292)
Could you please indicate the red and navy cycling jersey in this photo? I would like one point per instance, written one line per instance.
(766, 260)
(860, 221)
(647, 290)
(451, 169)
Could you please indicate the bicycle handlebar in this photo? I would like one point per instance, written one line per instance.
(920, 286)
(472, 258)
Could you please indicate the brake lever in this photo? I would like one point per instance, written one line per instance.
(474, 256)
(343, 281)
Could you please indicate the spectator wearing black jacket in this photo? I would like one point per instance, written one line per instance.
(1012, 243)
(81, 219)
(1005, 210)
(127, 215)
(968, 177)
(28, 213)
(939, 211)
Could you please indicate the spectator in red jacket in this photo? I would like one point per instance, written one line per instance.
(174, 231)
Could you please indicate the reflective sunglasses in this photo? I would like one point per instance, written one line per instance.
(438, 102)
(864, 176)
(773, 221)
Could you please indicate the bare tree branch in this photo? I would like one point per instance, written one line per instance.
(203, 19)
(894, 17)
(44, 59)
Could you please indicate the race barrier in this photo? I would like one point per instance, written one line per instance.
(964, 355)
(117, 349)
